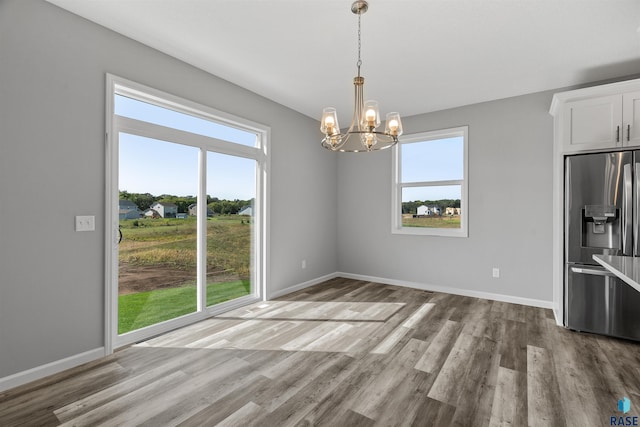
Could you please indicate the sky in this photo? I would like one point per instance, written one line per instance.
(435, 160)
(148, 165)
(158, 167)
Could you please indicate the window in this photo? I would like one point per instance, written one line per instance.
(430, 184)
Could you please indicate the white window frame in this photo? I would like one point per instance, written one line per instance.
(398, 185)
(260, 153)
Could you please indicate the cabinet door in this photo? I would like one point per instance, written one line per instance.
(631, 118)
(593, 123)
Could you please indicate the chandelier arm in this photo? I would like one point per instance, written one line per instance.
(358, 104)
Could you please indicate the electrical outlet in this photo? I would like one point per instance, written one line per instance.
(303, 264)
(496, 272)
(85, 223)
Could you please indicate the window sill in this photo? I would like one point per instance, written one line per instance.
(440, 232)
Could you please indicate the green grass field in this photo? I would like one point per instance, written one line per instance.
(173, 242)
(142, 309)
(432, 221)
(170, 245)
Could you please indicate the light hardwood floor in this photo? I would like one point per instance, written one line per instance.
(348, 353)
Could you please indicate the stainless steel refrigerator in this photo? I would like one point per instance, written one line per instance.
(602, 211)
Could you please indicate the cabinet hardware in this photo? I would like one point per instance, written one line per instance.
(618, 133)
(628, 132)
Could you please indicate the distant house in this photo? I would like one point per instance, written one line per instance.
(165, 209)
(151, 213)
(424, 210)
(193, 210)
(452, 211)
(128, 210)
(247, 210)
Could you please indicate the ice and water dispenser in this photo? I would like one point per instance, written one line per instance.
(601, 227)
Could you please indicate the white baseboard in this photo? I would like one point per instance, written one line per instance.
(291, 289)
(40, 372)
(447, 290)
(557, 314)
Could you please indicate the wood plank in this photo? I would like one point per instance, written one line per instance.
(450, 380)
(294, 410)
(513, 347)
(432, 413)
(438, 352)
(243, 416)
(478, 387)
(543, 395)
(418, 315)
(391, 340)
(509, 406)
(404, 401)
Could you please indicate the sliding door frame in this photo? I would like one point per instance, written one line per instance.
(118, 124)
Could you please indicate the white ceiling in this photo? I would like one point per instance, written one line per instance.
(418, 55)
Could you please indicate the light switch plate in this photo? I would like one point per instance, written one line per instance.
(85, 223)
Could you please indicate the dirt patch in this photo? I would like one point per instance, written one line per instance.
(140, 278)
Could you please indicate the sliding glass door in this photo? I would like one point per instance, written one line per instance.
(230, 229)
(157, 275)
(187, 209)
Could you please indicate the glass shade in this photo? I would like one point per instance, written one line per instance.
(329, 124)
(368, 140)
(370, 115)
(393, 125)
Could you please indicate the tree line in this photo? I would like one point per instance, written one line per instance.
(217, 206)
(412, 207)
(226, 207)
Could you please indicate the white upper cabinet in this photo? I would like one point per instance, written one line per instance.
(597, 118)
(631, 118)
(593, 123)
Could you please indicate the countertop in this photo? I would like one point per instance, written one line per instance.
(627, 268)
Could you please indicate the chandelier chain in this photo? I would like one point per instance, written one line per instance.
(359, 63)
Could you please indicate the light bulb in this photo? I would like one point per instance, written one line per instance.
(370, 115)
(335, 140)
(368, 140)
(329, 124)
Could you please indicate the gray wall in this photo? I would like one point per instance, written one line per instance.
(510, 195)
(52, 109)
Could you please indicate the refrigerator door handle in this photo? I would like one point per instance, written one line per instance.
(592, 271)
(636, 212)
(627, 210)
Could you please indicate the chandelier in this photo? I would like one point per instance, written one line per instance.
(362, 135)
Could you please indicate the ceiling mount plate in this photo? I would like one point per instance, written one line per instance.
(359, 7)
